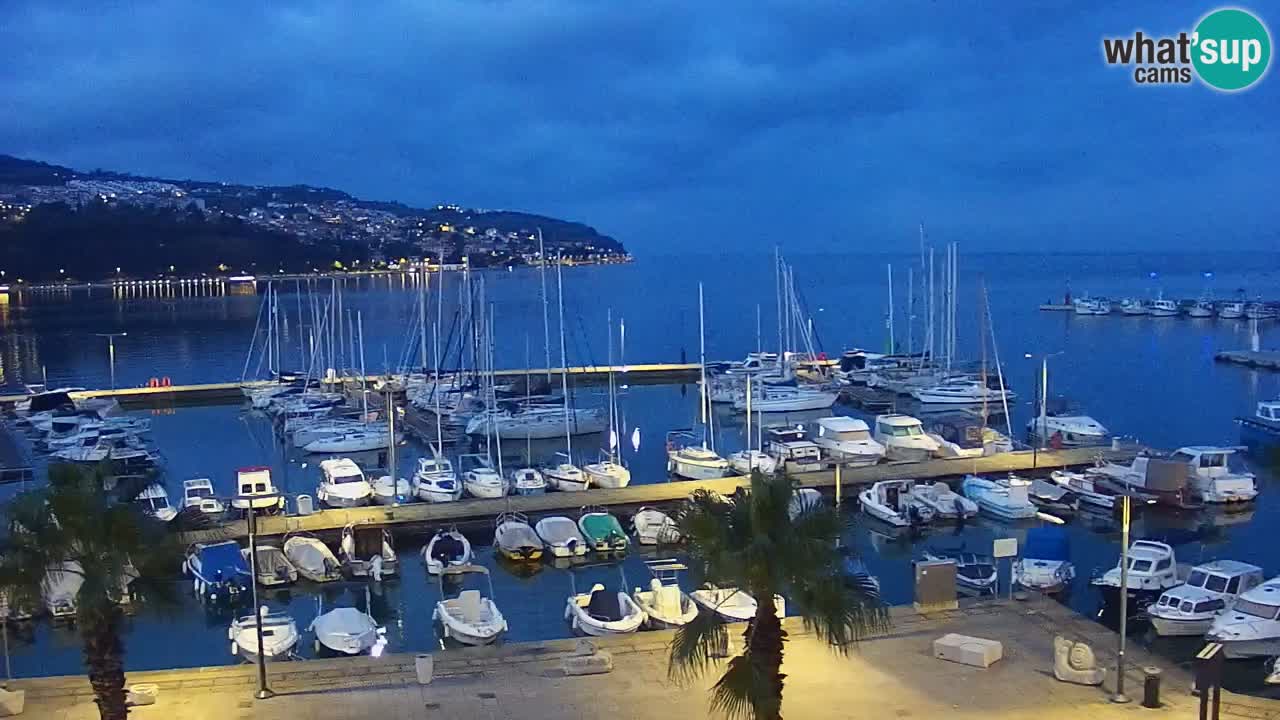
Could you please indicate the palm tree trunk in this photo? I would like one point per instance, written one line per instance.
(104, 657)
(764, 638)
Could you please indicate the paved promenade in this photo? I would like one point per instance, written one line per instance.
(890, 677)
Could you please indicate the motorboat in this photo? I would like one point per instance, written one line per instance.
(904, 438)
(154, 502)
(479, 478)
(776, 399)
(603, 612)
(1163, 308)
(389, 490)
(690, 461)
(447, 548)
(471, 617)
(607, 472)
(856, 366)
(368, 551)
(218, 571)
(1200, 309)
(274, 568)
(343, 484)
(1045, 565)
(1053, 499)
(1152, 570)
(1098, 491)
(561, 537)
(945, 503)
(961, 391)
(731, 604)
(1132, 306)
(347, 631)
(654, 527)
(435, 480)
(255, 492)
(1251, 628)
(793, 452)
(564, 476)
(352, 441)
(1260, 311)
(312, 558)
(975, 573)
(891, 501)
(197, 494)
(1003, 499)
(846, 440)
(1212, 476)
(60, 590)
(1210, 591)
(1094, 306)
(279, 636)
(1231, 310)
(665, 605)
(602, 530)
(965, 435)
(515, 538)
(802, 500)
(1068, 429)
(1169, 481)
(91, 450)
(527, 481)
(745, 462)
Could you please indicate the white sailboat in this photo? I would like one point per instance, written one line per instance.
(609, 471)
(564, 475)
(745, 462)
(685, 459)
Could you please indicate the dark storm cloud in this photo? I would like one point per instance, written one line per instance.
(663, 122)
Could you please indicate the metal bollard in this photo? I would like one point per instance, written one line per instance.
(1150, 687)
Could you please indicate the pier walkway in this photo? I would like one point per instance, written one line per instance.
(418, 515)
(894, 676)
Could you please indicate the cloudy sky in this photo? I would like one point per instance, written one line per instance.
(667, 123)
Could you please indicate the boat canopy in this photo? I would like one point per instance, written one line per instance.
(1047, 543)
(223, 557)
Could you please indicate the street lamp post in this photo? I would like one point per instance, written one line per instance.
(111, 353)
(1042, 400)
(252, 503)
(1120, 697)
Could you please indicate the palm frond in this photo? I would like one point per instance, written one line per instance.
(840, 613)
(695, 646)
(747, 690)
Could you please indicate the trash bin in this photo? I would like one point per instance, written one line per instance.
(1150, 687)
(305, 506)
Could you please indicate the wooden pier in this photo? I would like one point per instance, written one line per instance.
(475, 512)
(1263, 359)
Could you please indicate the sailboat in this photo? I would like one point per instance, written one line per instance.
(435, 480)
(528, 480)
(685, 459)
(753, 458)
(609, 471)
(480, 478)
(564, 475)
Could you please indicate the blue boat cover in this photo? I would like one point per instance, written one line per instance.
(224, 557)
(1047, 543)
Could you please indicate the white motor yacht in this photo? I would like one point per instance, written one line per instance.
(846, 440)
(435, 480)
(198, 493)
(1252, 627)
(1163, 308)
(1210, 590)
(1231, 310)
(1132, 306)
(479, 478)
(1071, 430)
(1153, 569)
(1087, 306)
(904, 438)
(1213, 478)
(154, 501)
(343, 484)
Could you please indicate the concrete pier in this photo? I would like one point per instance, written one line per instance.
(1264, 359)
(894, 676)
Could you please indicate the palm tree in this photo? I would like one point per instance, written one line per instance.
(71, 527)
(752, 541)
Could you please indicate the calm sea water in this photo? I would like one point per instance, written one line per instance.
(1153, 379)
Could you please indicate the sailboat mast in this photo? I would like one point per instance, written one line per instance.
(613, 413)
(546, 324)
(777, 291)
(564, 361)
(889, 321)
(364, 389)
(750, 442)
(422, 318)
(435, 389)
(995, 354)
(911, 313)
(702, 370)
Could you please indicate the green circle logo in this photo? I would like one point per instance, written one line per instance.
(1232, 49)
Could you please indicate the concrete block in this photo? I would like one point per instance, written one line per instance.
(596, 664)
(424, 666)
(967, 650)
(12, 702)
(142, 694)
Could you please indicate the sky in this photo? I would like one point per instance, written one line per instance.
(818, 125)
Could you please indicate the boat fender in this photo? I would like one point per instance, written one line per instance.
(235, 648)
(164, 382)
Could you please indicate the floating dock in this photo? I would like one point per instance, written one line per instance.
(418, 516)
(1263, 359)
(1057, 307)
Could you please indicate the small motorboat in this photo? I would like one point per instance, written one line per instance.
(515, 538)
(602, 530)
(469, 617)
(154, 501)
(1045, 565)
(846, 440)
(804, 499)
(561, 537)
(1052, 499)
(197, 493)
(343, 484)
(279, 636)
(1153, 569)
(1210, 591)
(975, 573)
(945, 503)
(274, 568)
(479, 478)
(1251, 628)
(391, 491)
(368, 551)
(654, 527)
(602, 612)
(745, 462)
(447, 548)
(528, 481)
(891, 501)
(904, 438)
(732, 604)
(664, 604)
(256, 492)
(435, 480)
(347, 631)
(218, 571)
(1006, 500)
(312, 558)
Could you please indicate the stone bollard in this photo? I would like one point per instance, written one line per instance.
(12, 702)
(586, 660)
(425, 666)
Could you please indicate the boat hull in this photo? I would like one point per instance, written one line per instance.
(1179, 627)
